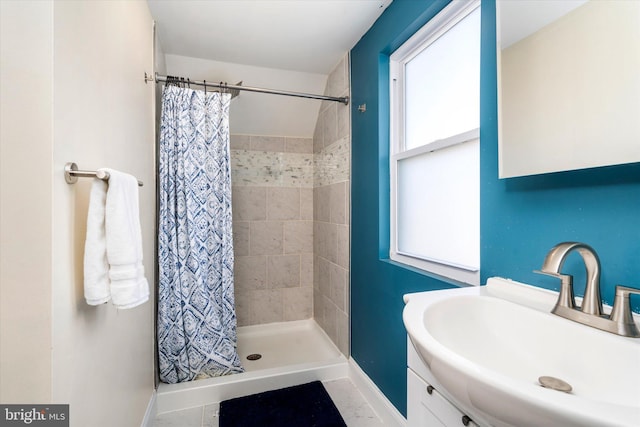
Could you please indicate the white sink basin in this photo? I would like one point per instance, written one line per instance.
(488, 346)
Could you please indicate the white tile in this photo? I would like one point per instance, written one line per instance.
(353, 407)
(298, 237)
(283, 271)
(266, 306)
(266, 238)
(283, 203)
(299, 145)
(186, 418)
(267, 143)
(297, 303)
(211, 415)
(239, 142)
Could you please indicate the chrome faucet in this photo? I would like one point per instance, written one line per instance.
(619, 322)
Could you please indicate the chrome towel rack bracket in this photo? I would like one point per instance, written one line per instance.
(72, 173)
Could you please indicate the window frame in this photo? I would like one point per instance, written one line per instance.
(428, 34)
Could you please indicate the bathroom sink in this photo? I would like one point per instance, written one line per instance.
(489, 346)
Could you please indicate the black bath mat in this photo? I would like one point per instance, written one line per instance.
(306, 405)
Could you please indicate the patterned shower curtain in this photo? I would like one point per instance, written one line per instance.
(196, 313)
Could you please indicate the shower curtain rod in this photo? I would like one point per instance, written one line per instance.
(221, 85)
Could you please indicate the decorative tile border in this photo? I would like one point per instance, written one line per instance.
(271, 169)
(287, 169)
(332, 163)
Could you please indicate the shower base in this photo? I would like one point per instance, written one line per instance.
(291, 353)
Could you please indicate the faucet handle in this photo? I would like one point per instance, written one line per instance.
(621, 312)
(565, 297)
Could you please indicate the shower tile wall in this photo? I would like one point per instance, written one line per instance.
(273, 228)
(291, 221)
(331, 189)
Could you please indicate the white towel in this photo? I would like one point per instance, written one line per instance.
(96, 268)
(122, 246)
(129, 287)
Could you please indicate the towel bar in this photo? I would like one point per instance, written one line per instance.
(71, 174)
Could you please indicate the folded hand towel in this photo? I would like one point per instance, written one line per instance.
(113, 248)
(96, 268)
(129, 287)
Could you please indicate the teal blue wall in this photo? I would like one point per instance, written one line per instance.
(378, 338)
(521, 218)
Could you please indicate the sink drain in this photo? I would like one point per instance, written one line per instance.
(555, 384)
(254, 356)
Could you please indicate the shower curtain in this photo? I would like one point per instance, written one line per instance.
(196, 313)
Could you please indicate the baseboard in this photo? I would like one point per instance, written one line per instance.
(385, 410)
(150, 414)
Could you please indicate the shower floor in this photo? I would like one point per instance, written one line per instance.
(284, 344)
(292, 353)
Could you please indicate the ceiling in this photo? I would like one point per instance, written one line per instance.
(301, 35)
(519, 19)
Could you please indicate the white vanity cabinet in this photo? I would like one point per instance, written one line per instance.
(426, 406)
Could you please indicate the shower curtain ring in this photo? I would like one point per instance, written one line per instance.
(205, 86)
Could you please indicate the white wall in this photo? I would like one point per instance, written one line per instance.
(103, 116)
(570, 93)
(257, 113)
(92, 108)
(26, 55)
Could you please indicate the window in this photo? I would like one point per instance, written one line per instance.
(435, 147)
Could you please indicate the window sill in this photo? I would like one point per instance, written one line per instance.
(432, 274)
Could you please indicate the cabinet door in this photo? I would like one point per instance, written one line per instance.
(418, 414)
(426, 407)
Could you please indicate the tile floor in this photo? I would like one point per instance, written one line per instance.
(353, 407)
